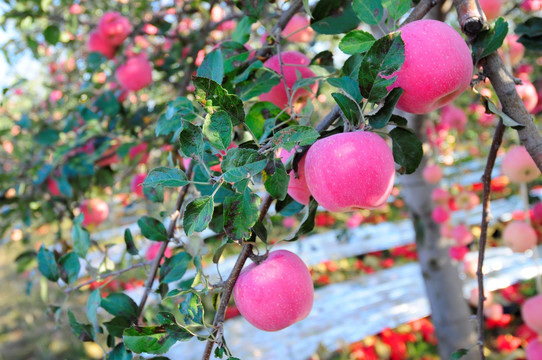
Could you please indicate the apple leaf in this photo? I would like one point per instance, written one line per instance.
(212, 66)
(398, 120)
(324, 59)
(492, 108)
(172, 120)
(164, 176)
(69, 267)
(245, 74)
(84, 332)
(47, 264)
(120, 353)
(385, 57)
(93, 303)
(214, 97)
(241, 34)
(191, 138)
(276, 183)
(260, 113)
(307, 223)
(397, 8)
(166, 126)
(150, 339)
(368, 11)
(349, 107)
(488, 41)
(407, 149)
(129, 241)
(108, 104)
(295, 135)
(119, 304)
(334, 17)
(261, 81)
(459, 354)
(384, 114)
(240, 214)
(240, 164)
(152, 228)
(174, 267)
(198, 214)
(218, 129)
(531, 33)
(192, 309)
(51, 34)
(349, 85)
(117, 325)
(356, 41)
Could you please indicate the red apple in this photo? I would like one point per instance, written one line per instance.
(137, 184)
(297, 187)
(349, 171)
(462, 235)
(473, 298)
(519, 236)
(531, 312)
(534, 350)
(492, 8)
(292, 62)
(152, 251)
(440, 196)
(437, 67)
(76, 9)
(493, 311)
(139, 152)
(452, 117)
(531, 5)
(95, 211)
(55, 95)
(440, 215)
(298, 29)
(515, 49)
(458, 252)
(466, 200)
(52, 186)
(96, 43)
(432, 174)
(114, 28)
(276, 293)
(518, 165)
(135, 74)
(528, 94)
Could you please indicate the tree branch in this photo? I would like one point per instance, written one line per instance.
(420, 10)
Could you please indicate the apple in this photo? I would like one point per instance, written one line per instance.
(452, 117)
(466, 200)
(432, 174)
(152, 251)
(292, 62)
(348, 171)
(473, 298)
(518, 165)
(534, 350)
(114, 28)
(95, 211)
(528, 94)
(298, 29)
(531, 5)
(437, 67)
(515, 49)
(531, 312)
(492, 8)
(297, 187)
(440, 195)
(55, 95)
(462, 235)
(440, 214)
(519, 236)
(76, 9)
(536, 213)
(96, 43)
(458, 252)
(139, 152)
(136, 73)
(276, 293)
(494, 311)
(52, 186)
(137, 184)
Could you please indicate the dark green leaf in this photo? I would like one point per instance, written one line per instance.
(174, 267)
(219, 250)
(191, 139)
(120, 353)
(240, 214)
(295, 135)
(407, 149)
(198, 214)
(47, 137)
(276, 184)
(150, 339)
(69, 267)
(129, 241)
(218, 129)
(43, 173)
(81, 240)
(459, 354)
(166, 126)
(398, 120)
(307, 223)
(350, 109)
(531, 27)
(261, 82)
(212, 66)
(349, 85)
(152, 228)
(245, 74)
(383, 115)
(241, 34)
(93, 303)
(84, 332)
(166, 318)
(94, 61)
(240, 164)
(52, 34)
(368, 11)
(492, 108)
(356, 41)
(211, 94)
(324, 59)
(259, 113)
(117, 325)
(164, 176)
(192, 309)
(108, 104)
(490, 40)
(533, 43)
(178, 332)
(334, 17)
(397, 8)
(119, 304)
(47, 264)
(260, 231)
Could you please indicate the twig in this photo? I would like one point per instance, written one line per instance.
(486, 179)
(420, 10)
(170, 232)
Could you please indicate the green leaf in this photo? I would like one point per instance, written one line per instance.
(349, 85)
(490, 40)
(260, 231)
(94, 61)
(533, 43)
(150, 339)
(198, 214)
(191, 139)
(81, 240)
(218, 129)
(93, 303)
(261, 112)
(384, 114)
(192, 309)
(240, 164)
(334, 17)
(164, 176)
(368, 11)
(492, 108)
(52, 34)
(212, 66)
(356, 41)
(307, 223)
(261, 82)
(174, 267)
(108, 104)
(166, 126)
(240, 214)
(117, 325)
(166, 318)
(47, 137)
(398, 120)
(152, 228)
(119, 304)
(295, 135)
(397, 8)
(178, 333)
(531, 33)
(276, 184)
(47, 264)
(385, 57)
(350, 109)
(246, 73)
(84, 332)
(69, 267)
(241, 34)
(211, 95)
(120, 353)
(129, 241)
(456, 355)
(407, 149)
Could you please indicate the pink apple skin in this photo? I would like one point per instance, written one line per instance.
(114, 28)
(135, 74)
(297, 187)
(532, 5)
(462, 235)
(528, 94)
(534, 350)
(440, 215)
(96, 43)
(515, 49)
(452, 117)
(152, 251)
(52, 186)
(473, 298)
(432, 174)
(55, 95)
(137, 184)
(519, 236)
(536, 213)
(492, 8)
(76, 9)
(276, 293)
(437, 68)
(139, 152)
(531, 313)
(518, 165)
(292, 30)
(458, 252)
(493, 311)
(292, 61)
(467, 200)
(440, 196)
(349, 171)
(95, 210)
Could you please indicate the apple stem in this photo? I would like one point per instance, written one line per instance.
(258, 259)
(525, 199)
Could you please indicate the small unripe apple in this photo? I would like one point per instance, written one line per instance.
(292, 32)
(531, 313)
(432, 174)
(95, 211)
(453, 117)
(440, 215)
(462, 235)
(114, 28)
(437, 67)
(276, 293)
(519, 236)
(135, 74)
(534, 350)
(292, 62)
(349, 171)
(96, 43)
(492, 8)
(136, 184)
(518, 165)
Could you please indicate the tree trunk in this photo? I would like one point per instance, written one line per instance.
(455, 328)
